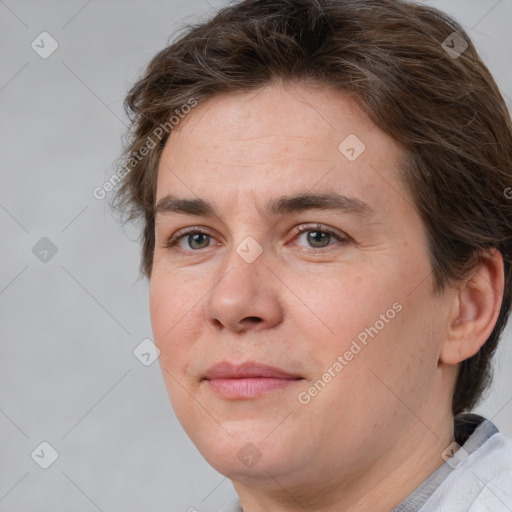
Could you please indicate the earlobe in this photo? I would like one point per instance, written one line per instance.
(475, 310)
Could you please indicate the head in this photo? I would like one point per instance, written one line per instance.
(408, 280)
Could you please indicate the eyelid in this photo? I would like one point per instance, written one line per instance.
(342, 237)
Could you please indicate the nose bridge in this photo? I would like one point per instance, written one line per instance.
(243, 292)
(249, 229)
(242, 268)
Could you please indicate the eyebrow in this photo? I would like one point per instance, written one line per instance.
(274, 207)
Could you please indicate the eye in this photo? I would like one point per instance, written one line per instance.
(194, 238)
(318, 236)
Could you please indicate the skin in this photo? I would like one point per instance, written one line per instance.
(379, 427)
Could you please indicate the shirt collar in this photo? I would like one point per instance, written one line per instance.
(471, 432)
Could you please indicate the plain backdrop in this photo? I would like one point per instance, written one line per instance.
(72, 310)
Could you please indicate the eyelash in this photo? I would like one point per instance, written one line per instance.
(173, 241)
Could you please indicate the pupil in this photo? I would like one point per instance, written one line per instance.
(320, 234)
(194, 238)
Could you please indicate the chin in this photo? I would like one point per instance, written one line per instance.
(249, 452)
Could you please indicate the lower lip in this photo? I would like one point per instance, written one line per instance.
(248, 388)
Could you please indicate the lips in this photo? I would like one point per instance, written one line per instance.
(248, 381)
(247, 370)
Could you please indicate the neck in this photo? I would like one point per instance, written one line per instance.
(380, 486)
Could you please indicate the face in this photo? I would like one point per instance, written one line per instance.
(334, 287)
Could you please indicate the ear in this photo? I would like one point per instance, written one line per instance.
(475, 310)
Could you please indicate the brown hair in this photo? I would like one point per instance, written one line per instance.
(394, 57)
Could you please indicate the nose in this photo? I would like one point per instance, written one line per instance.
(247, 295)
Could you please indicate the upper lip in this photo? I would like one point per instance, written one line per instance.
(226, 370)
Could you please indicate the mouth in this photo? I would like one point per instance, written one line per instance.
(248, 380)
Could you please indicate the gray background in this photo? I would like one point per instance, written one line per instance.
(68, 374)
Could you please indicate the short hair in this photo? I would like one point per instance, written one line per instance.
(411, 68)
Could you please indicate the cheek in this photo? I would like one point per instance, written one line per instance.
(368, 316)
(175, 332)
(173, 311)
(343, 303)
(402, 358)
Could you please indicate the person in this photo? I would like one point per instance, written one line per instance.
(342, 167)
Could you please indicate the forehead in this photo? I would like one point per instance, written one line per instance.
(281, 138)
